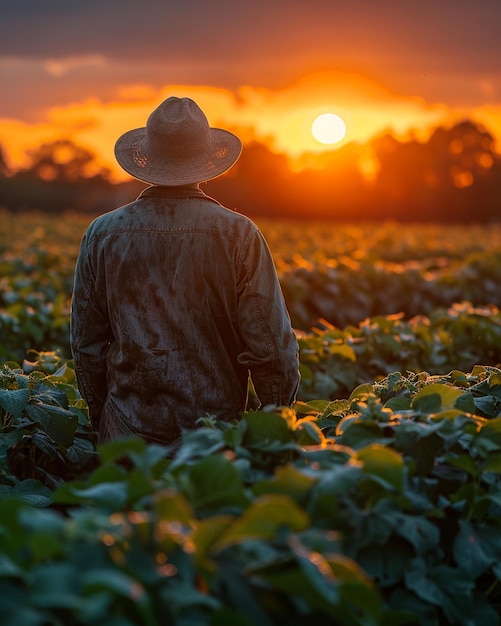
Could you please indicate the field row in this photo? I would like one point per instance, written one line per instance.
(340, 274)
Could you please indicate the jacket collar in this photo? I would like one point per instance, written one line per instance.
(184, 191)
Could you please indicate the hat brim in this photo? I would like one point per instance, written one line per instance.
(225, 149)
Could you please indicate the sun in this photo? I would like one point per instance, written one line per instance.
(328, 128)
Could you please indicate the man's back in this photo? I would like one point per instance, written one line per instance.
(185, 294)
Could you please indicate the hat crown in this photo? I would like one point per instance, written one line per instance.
(177, 127)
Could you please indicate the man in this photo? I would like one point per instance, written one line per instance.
(176, 299)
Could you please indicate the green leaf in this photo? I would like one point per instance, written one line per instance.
(206, 534)
(465, 402)
(302, 578)
(338, 481)
(42, 520)
(110, 496)
(318, 573)
(108, 472)
(459, 378)
(81, 452)
(399, 403)
(54, 585)
(45, 545)
(492, 463)
(417, 439)
(419, 612)
(437, 397)
(139, 485)
(9, 568)
(172, 506)
(361, 392)
(146, 459)
(60, 424)
(30, 491)
(489, 437)
(215, 482)
(489, 406)
(8, 439)
(197, 443)
(423, 534)
(308, 433)
(386, 563)
(241, 591)
(464, 462)
(443, 586)
(495, 379)
(313, 406)
(14, 401)
(289, 481)
(263, 519)
(469, 551)
(343, 350)
(115, 581)
(384, 463)
(357, 589)
(354, 433)
(13, 607)
(263, 427)
(119, 448)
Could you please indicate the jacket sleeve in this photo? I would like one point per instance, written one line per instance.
(271, 353)
(90, 335)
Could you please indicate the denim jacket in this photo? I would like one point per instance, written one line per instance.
(176, 301)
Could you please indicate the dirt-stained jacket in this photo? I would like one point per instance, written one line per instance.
(176, 299)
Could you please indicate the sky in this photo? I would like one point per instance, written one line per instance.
(89, 70)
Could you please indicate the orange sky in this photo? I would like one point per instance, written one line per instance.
(89, 71)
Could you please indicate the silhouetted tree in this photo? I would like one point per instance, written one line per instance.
(262, 184)
(64, 162)
(454, 176)
(446, 178)
(60, 176)
(4, 168)
(256, 184)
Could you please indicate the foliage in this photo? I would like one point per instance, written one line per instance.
(375, 500)
(347, 290)
(384, 508)
(334, 361)
(44, 432)
(36, 276)
(343, 274)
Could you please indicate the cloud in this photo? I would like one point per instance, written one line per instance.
(60, 67)
(360, 35)
(280, 117)
(56, 53)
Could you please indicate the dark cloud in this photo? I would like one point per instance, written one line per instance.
(443, 31)
(414, 47)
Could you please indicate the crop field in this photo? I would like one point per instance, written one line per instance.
(375, 500)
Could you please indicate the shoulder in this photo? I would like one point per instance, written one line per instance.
(230, 217)
(107, 222)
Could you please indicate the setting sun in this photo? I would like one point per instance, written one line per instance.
(328, 128)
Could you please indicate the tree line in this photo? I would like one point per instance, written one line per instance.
(454, 176)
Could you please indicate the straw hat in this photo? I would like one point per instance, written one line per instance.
(177, 146)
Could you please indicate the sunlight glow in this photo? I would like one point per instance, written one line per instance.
(328, 128)
(281, 118)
